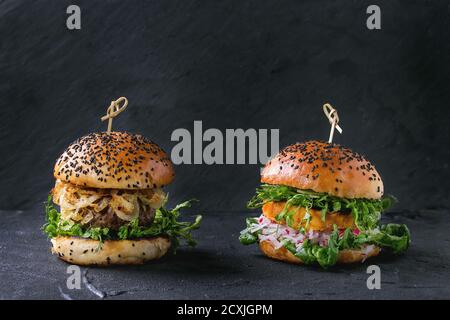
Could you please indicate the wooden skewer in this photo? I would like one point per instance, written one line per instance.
(113, 110)
(333, 118)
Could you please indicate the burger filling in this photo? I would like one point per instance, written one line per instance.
(112, 214)
(309, 219)
(106, 207)
(309, 246)
(316, 226)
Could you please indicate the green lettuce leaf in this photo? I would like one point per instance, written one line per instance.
(366, 212)
(166, 222)
(312, 252)
(246, 237)
(395, 237)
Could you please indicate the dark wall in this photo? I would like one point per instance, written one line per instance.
(231, 64)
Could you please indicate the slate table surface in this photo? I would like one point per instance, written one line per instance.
(221, 268)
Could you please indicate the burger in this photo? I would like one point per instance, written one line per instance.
(109, 191)
(321, 204)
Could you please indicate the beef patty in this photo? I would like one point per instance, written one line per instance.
(108, 219)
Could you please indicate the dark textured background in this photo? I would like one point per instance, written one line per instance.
(232, 64)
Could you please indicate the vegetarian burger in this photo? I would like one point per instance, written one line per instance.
(109, 190)
(321, 203)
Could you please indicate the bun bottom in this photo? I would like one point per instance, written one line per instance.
(345, 256)
(86, 252)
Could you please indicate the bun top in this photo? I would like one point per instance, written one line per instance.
(118, 160)
(324, 167)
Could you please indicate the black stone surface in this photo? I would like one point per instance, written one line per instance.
(221, 268)
(232, 64)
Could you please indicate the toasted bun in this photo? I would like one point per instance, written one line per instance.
(118, 160)
(324, 167)
(83, 251)
(345, 256)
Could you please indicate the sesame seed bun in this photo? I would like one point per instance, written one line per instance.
(324, 167)
(83, 251)
(118, 160)
(345, 256)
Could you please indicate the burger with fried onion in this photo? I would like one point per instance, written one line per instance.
(109, 188)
